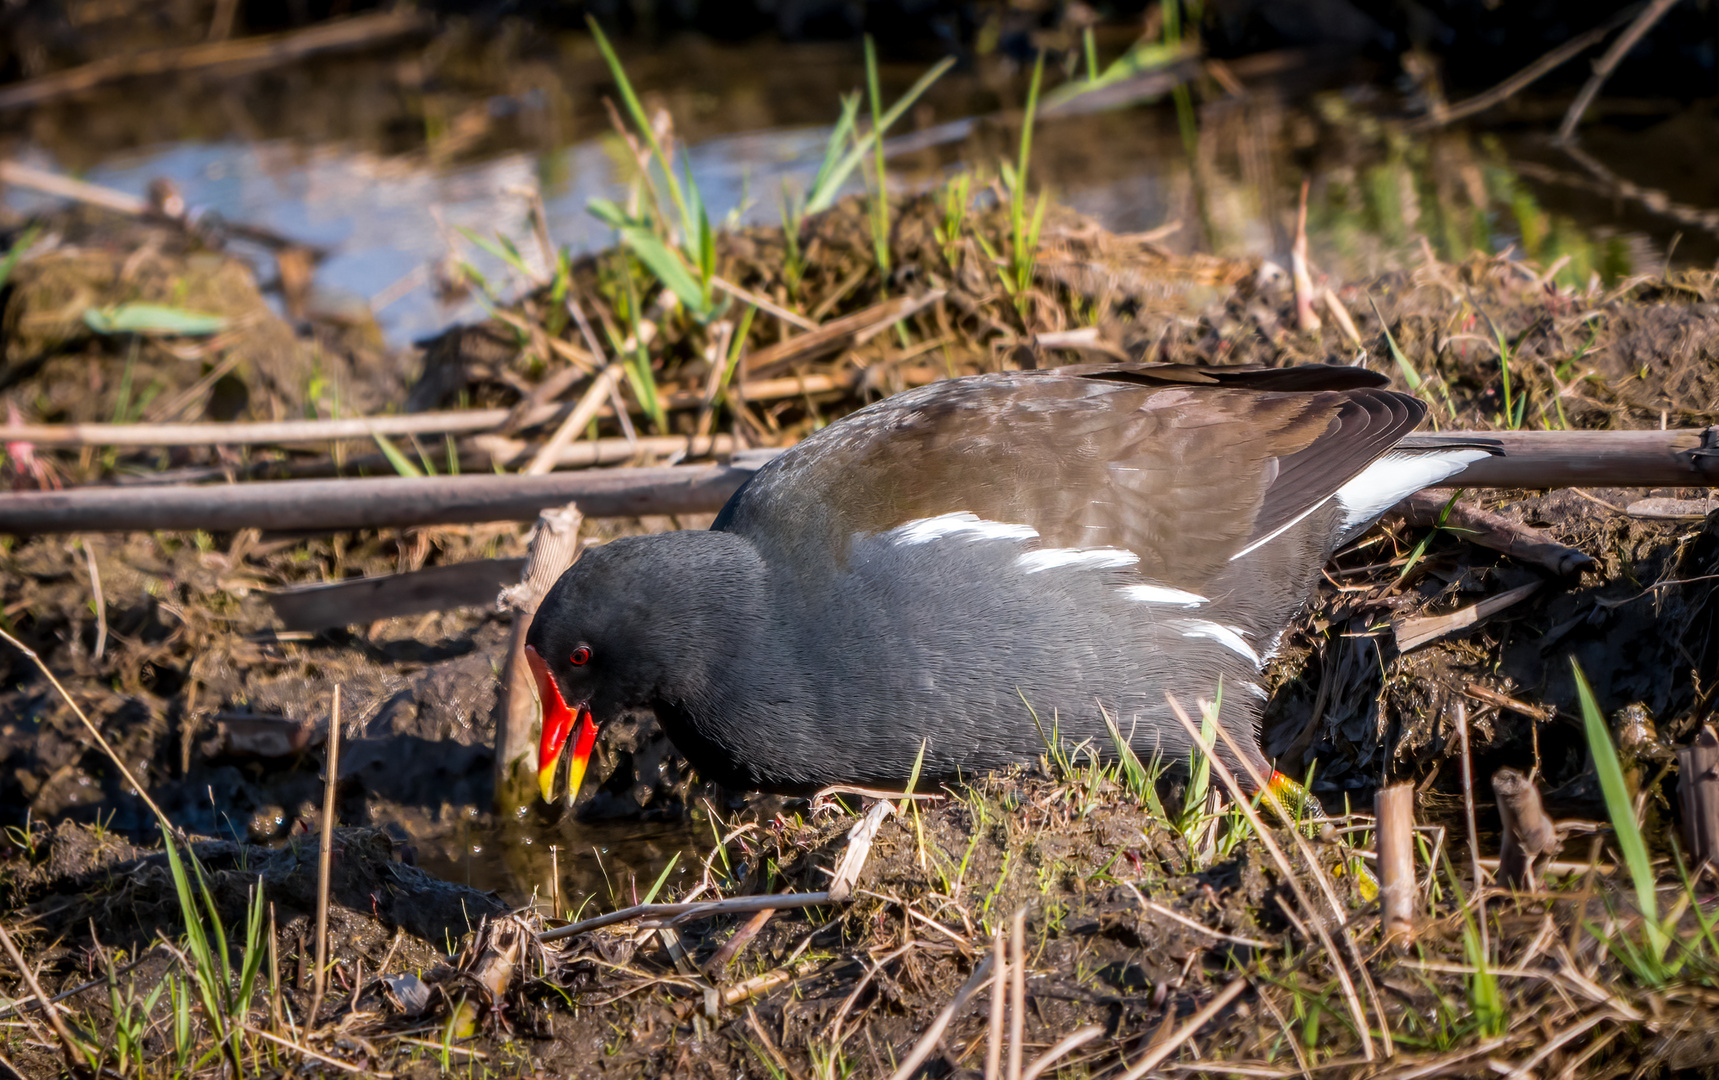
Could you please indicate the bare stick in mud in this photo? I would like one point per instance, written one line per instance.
(1466, 763)
(1394, 809)
(1157, 1054)
(1537, 459)
(1017, 991)
(1524, 543)
(1698, 795)
(994, 1030)
(928, 1042)
(679, 913)
(325, 861)
(554, 545)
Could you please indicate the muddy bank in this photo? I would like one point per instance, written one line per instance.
(221, 712)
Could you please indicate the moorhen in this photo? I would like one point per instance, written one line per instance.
(979, 565)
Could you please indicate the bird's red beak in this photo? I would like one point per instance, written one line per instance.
(558, 724)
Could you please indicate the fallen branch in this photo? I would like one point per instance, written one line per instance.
(1489, 530)
(680, 913)
(1537, 459)
(371, 503)
(452, 422)
(252, 53)
(1414, 632)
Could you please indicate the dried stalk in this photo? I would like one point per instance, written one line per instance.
(1245, 805)
(1158, 1053)
(1399, 893)
(325, 861)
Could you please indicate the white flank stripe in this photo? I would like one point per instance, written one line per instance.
(961, 524)
(1057, 558)
(1227, 636)
(1281, 529)
(1256, 690)
(1395, 477)
(1159, 594)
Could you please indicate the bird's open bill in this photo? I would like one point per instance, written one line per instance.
(558, 723)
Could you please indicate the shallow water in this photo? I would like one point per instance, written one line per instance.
(390, 218)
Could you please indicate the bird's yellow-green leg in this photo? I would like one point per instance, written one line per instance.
(1302, 811)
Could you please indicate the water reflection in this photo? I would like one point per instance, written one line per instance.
(603, 865)
(391, 221)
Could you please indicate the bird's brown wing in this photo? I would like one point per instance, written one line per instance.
(1186, 467)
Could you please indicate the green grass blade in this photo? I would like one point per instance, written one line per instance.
(10, 262)
(822, 198)
(637, 112)
(1410, 375)
(401, 463)
(1621, 808)
(662, 877)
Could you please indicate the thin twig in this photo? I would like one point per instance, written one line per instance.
(1467, 765)
(1603, 69)
(763, 304)
(1017, 991)
(687, 912)
(994, 1031)
(68, 1045)
(928, 1041)
(131, 780)
(1245, 805)
(324, 1058)
(1066, 1045)
(1182, 1034)
(1520, 81)
(100, 602)
(325, 862)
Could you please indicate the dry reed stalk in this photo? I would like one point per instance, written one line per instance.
(325, 862)
(994, 1030)
(1466, 763)
(1017, 991)
(583, 413)
(1066, 1045)
(1607, 62)
(1245, 805)
(1306, 319)
(68, 1045)
(554, 546)
(681, 913)
(928, 1041)
(1399, 896)
(763, 304)
(1158, 1053)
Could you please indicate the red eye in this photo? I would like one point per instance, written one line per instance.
(581, 655)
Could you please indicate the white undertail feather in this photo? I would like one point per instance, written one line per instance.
(1058, 558)
(967, 526)
(1394, 478)
(1160, 594)
(1380, 486)
(1227, 636)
